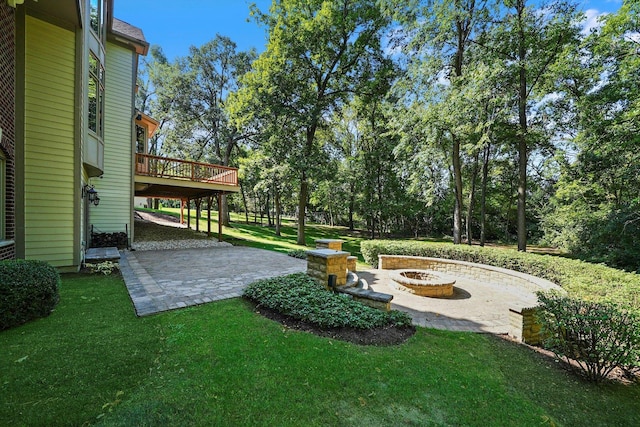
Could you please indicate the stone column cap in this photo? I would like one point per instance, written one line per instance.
(329, 241)
(327, 253)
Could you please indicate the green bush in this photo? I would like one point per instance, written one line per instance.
(298, 296)
(28, 290)
(298, 253)
(598, 336)
(594, 282)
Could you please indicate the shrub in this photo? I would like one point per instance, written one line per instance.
(105, 267)
(28, 290)
(300, 297)
(298, 253)
(598, 336)
(593, 282)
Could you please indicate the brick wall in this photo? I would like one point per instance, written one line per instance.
(7, 118)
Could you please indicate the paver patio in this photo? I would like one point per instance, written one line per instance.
(169, 279)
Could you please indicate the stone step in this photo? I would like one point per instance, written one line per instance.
(97, 255)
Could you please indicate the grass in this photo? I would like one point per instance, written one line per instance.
(93, 362)
(263, 236)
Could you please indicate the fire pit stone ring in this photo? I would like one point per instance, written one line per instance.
(425, 283)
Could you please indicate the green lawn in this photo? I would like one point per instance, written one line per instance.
(93, 362)
(263, 236)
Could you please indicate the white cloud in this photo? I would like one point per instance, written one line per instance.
(592, 20)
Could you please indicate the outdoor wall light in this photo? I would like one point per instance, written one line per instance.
(91, 194)
(14, 3)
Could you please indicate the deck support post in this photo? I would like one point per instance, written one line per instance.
(188, 213)
(198, 202)
(209, 216)
(181, 211)
(219, 217)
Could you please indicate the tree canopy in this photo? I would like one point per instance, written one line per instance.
(465, 119)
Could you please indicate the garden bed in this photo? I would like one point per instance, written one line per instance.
(381, 336)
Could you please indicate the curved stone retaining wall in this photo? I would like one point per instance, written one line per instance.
(470, 270)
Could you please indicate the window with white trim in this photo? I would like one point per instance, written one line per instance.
(96, 95)
(97, 17)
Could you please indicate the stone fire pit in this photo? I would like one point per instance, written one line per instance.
(425, 283)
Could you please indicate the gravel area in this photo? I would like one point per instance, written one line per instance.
(178, 244)
(156, 231)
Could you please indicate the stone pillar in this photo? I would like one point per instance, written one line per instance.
(352, 262)
(524, 326)
(323, 262)
(334, 244)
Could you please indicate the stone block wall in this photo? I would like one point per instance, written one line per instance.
(480, 272)
(323, 262)
(352, 262)
(524, 326)
(334, 244)
(379, 305)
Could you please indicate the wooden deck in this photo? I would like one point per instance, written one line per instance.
(165, 177)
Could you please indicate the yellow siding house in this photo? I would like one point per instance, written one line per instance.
(75, 73)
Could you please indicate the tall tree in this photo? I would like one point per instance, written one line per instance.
(531, 40)
(316, 53)
(595, 212)
(436, 36)
(202, 130)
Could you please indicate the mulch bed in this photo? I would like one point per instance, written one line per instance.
(390, 335)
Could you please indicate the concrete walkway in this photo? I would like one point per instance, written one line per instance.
(161, 280)
(168, 279)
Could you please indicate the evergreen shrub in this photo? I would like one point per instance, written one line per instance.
(28, 290)
(595, 282)
(598, 336)
(298, 253)
(300, 297)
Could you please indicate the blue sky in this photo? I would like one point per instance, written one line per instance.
(177, 24)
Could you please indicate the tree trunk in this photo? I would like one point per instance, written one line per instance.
(522, 133)
(224, 214)
(244, 203)
(276, 197)
(352, 204)
(379, 190)
(373, 227)
(457, 179)
(302, 207)
(255, 208)
(269, 222)
(472, 195)
(483, 196)
(224, 205)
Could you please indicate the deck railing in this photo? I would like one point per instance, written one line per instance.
(163, 167)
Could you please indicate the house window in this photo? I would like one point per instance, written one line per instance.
(96, 95)
(141, 139)
(96, 17)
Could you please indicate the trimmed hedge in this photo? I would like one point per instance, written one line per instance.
(299, 296)
(594, 282)
(28, 290)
